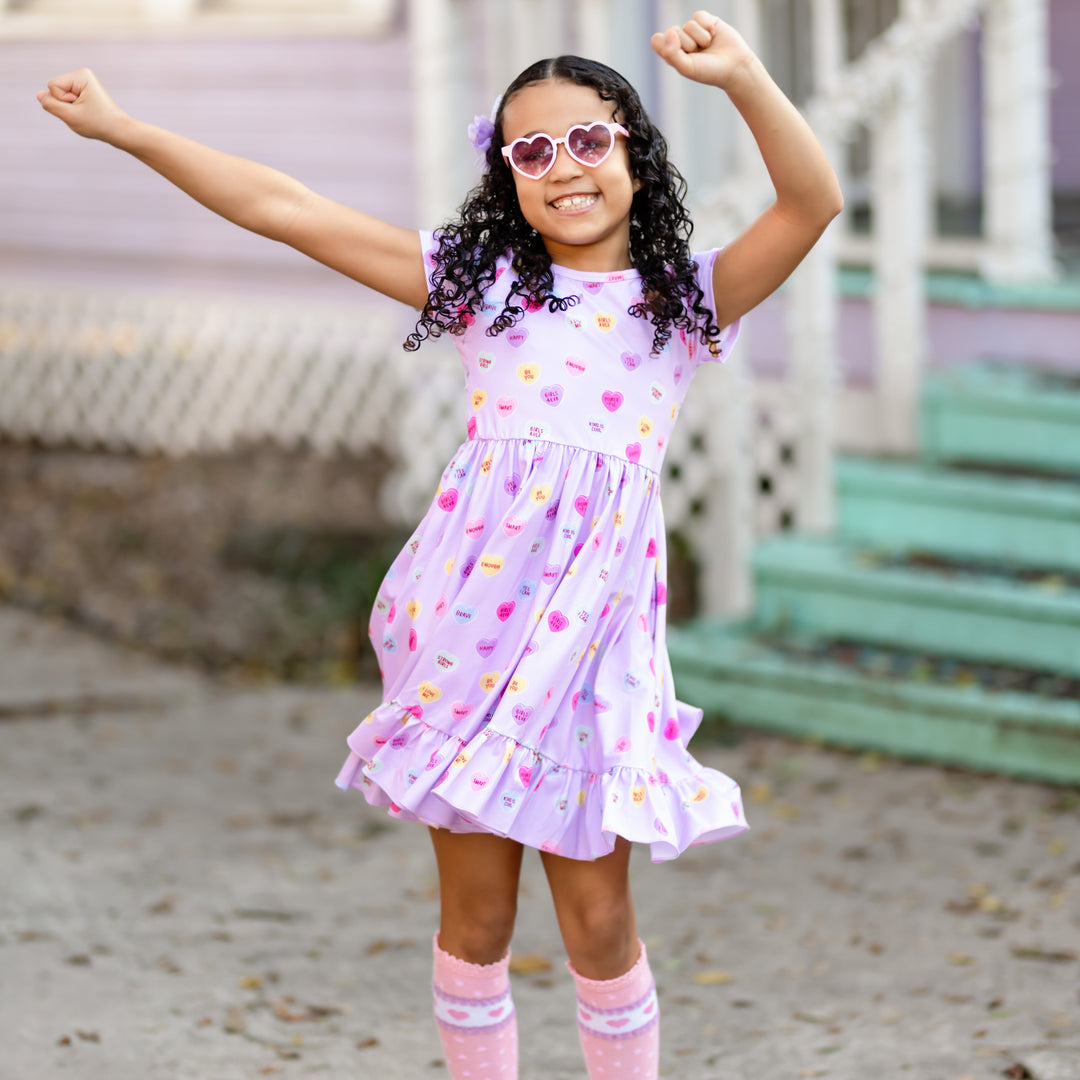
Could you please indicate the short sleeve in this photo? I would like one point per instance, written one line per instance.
(719, 349)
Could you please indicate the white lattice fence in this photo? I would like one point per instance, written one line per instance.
(181, 375)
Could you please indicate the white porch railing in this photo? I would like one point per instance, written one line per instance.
(886, 90)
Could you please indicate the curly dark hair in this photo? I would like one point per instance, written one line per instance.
(490, 224)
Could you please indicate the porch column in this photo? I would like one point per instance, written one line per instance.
(593, 29)
(438, 46)
(812, 313)
(724, 531)
(168, 10)
(537, 31)
(898, 177)
(1018, 224)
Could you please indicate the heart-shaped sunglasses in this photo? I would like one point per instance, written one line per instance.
(588, 144)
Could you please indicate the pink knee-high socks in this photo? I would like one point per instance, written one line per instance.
(618, 1020)
(475, 1015)
(619, 1024)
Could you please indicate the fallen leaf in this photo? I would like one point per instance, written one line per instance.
(382, 944)
(810, 1018)
(250, 982)
(962, 907)
(266, 914)
(235, 1020)
(64, 1040)
(529, 964)
(89, 1036)
(960, 959)
(1053, 956)
(368, 1043)
(713, 978)
(283, 1011)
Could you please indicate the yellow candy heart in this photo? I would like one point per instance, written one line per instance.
(429, 692)
(491, 564)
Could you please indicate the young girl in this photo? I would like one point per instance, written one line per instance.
(528, 699)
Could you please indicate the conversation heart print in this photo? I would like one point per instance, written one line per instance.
(520, 632)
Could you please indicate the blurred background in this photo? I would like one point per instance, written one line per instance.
(211, 448)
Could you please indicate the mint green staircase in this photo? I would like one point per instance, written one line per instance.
(942, 620)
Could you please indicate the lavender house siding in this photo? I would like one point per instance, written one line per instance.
(337, 114)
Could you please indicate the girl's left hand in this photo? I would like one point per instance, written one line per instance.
(705, 49)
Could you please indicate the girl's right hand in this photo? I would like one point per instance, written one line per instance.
(82, 103)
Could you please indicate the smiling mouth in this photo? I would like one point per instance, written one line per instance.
(574, 202)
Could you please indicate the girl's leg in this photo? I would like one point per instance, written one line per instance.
(478, 886)
(618, 1018)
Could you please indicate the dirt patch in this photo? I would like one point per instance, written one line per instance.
(262, 564)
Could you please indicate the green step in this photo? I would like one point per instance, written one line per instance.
(1013, 416)
(723, 669)
(904, 506)
(819, 588)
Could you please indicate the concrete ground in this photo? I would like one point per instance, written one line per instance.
(185, 894)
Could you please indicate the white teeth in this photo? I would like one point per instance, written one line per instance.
(574, 202)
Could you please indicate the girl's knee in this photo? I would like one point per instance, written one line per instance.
(600, 938)
(478, 932)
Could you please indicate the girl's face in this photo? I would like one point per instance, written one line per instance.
(581, 213)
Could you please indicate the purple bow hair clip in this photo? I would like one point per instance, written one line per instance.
(482, 128)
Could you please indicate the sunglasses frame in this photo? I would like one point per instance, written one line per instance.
(613, 130)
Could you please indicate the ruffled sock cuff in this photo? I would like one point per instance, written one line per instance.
(453, 971)
(635, 981)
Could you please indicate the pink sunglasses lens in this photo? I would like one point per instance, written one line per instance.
(590, 144)
(533, 157)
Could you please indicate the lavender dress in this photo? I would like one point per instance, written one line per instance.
(520, 633)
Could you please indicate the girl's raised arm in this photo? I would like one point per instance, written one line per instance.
(382, 256)
(808, 195)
